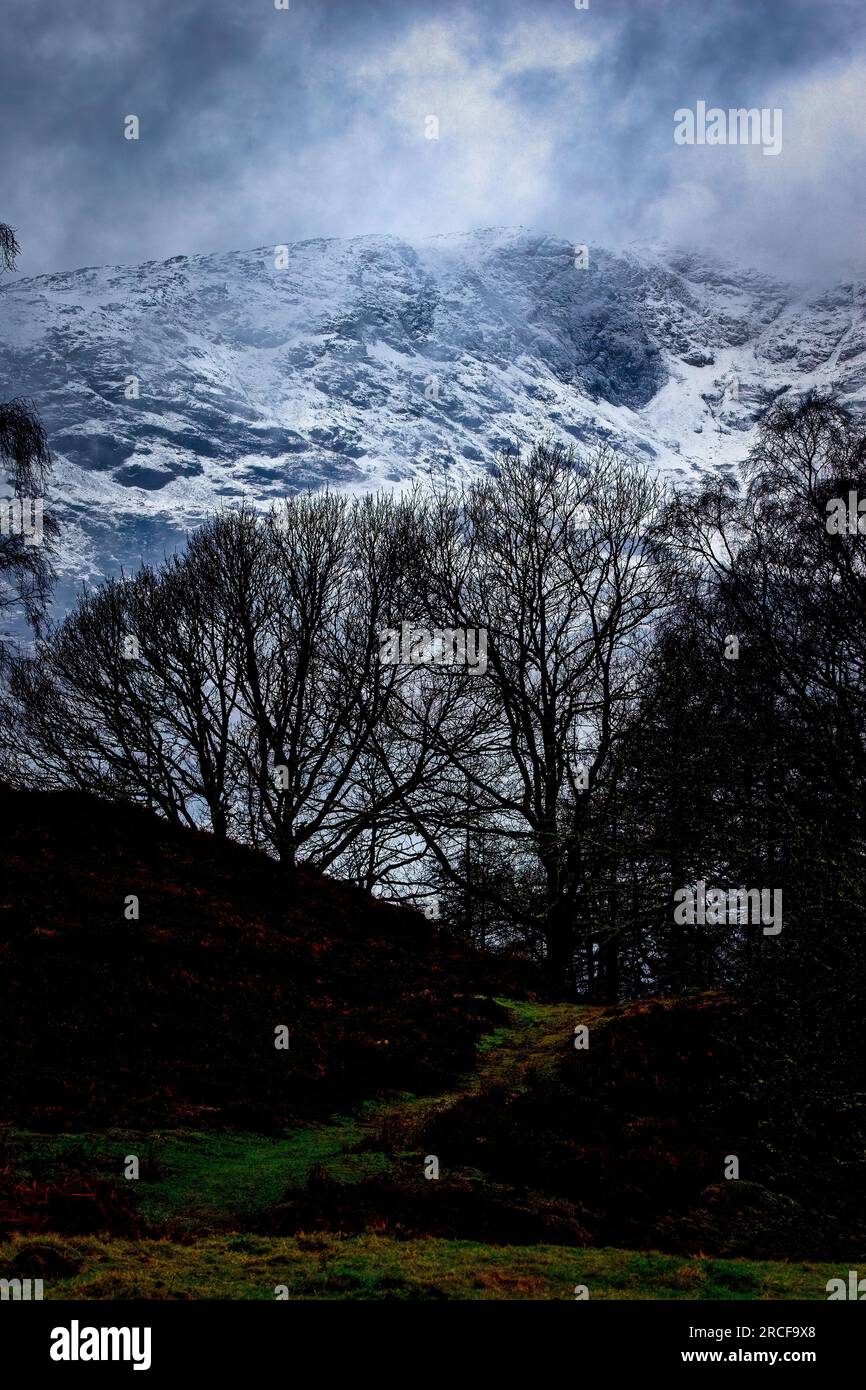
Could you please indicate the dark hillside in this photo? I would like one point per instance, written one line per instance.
(170, 1019)
(638, 1133)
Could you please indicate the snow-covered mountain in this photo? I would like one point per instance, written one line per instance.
(370, 361)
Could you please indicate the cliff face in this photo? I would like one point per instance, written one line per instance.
(169, 388)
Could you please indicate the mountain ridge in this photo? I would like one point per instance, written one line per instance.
(372, 361)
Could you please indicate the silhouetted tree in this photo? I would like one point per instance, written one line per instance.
(556, 561)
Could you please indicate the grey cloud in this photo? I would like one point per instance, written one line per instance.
(261, 126)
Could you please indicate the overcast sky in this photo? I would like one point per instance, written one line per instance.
(261, 126)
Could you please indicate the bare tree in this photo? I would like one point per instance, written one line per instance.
(9, 248)
(244, 684)
(558, 562)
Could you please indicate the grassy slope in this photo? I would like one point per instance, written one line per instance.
(378, 1267)
(205, 1180)
(205, 1188)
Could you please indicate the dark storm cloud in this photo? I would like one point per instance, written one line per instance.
(261, 125)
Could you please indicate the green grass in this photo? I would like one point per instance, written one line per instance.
(204, 1181)
(205, 1189)
(373, 1267)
